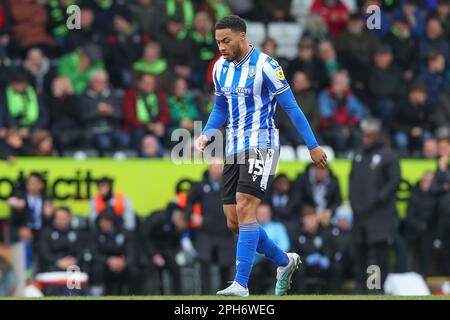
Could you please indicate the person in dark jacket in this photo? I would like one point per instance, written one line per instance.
(319, 187)
(114, 256)
(374, 180)
(59, 243)
(421, 224)
(162, 233)
(213, 241)
(313, 243)
(101, 114)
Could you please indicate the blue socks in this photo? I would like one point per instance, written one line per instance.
(268, 248)
(246, 249)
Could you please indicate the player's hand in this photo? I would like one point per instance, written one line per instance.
(319, 157)
(200, 143)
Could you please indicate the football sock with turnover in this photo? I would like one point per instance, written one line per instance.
(246, 249)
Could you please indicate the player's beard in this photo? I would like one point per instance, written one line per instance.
(236, 54)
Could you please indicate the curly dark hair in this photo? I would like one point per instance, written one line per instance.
(232, 22)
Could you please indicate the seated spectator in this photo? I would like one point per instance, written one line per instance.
(151, 147)
(443, 13)
(314, 244)
(114, 257)
(436, 77)
(329, 58)
(430, 148)
(382, 16)
(31, 209)
(316, 28)
(146, 14)
(40, 72)
(216, 9)
(152, 63)
(78, 38)
(410, 11)
(404, 47)
(119, 203)
(14, 146)
(309, 64)
(177, 47)
(340, 113)
(57, 20)
(29, 26)
(263, 271)
(23, 109)
(410, 121)
(59, 243)
(78, 66)
(271, 11)
(101, 114)
(182, 106)
(341, 243)
(334, 12)
(441, 115)
(161, 235)
(145, 110)
(356, 47)
(319, 188)
(433, 40)
(180, 10)
(421, 224)
(385, 84)
(307, 100)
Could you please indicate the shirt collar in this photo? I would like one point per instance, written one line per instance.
(246, 57)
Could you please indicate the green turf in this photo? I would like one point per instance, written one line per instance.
(255, 297)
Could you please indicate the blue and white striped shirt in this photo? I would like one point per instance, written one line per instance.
(245, 96)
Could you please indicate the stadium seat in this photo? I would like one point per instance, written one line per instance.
(287, 154)
(122, 154)
(300, 10)
(256, 33)
(80, 154)
(287, 35)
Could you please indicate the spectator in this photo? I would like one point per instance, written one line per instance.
(319, 188)
(263, 272)
(421, 224)
(441, 188)
(340, 113)
(410, 121)
(152, 63)
(162, 234)
(385, 22)
(356, 46)
(433, 40)
(101, 114)
(441, 115)
(314, 244)
(145, 110)
(435, 76)
(410, 11)
(334, 12)
(285, 203)
(182, 106)
(114, 257)
(40, 72)
(58, 16)
(342, 251)
(79, 66)
(309, 64)
(213, 241)
(59, 244)
(105, 15)
(31, 210)
(78, 38)
(443, 13)
(150, 147)
(329, 58)
(374, 180)
(430, 149)
(14, 146)
(177, 47)
(216, 9)
(404, 47)
(28, 26)
(271, 11)
(385, 84)
(307, 100)
(316, 28)
(147, 17)
(180, 10)
(119, 203)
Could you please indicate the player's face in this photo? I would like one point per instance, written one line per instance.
(230, 43)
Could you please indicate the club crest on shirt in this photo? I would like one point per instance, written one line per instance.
(251, 72)
(280, 74)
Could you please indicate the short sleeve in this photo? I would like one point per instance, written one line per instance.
(273, 77)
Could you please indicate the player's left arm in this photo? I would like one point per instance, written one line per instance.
(275, 81)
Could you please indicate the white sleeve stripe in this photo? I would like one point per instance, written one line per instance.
(281, 90)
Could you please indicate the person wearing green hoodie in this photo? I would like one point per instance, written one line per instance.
(183, 109)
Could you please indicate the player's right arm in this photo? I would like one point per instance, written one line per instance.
(217, 117)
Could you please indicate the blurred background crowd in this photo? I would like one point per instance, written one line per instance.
(138, 69)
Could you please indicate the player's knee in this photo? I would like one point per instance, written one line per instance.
(246, 205)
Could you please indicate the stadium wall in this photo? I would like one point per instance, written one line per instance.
(151, 183)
